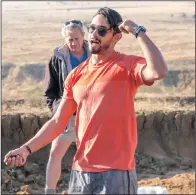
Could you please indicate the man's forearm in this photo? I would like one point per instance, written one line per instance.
(156, 67)
(46, 135)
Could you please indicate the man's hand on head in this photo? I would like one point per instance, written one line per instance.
(128, 26)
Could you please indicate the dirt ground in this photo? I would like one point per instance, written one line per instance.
(176, 182)
(179, 184)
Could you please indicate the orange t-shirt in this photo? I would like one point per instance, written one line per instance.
(106, 128)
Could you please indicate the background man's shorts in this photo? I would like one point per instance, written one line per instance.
(69, 133)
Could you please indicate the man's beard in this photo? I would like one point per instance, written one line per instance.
(99, 50)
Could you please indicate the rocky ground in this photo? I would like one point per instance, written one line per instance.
(165, 153)
(177, 176)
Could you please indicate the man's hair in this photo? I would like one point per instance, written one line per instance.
(71, 26)
(112, 16)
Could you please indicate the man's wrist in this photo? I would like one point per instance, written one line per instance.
(138, 30)
(134, 29)
(27, 149)
(141, 35)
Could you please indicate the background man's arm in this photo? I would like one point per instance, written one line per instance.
(51, 84)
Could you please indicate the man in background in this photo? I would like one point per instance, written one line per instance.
(65, 58)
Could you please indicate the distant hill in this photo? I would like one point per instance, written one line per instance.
(36, 73)
(21, 73)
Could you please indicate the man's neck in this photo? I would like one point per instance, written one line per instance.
(77, 54)
(99, 58)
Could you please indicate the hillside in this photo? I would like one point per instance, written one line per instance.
(29, 38)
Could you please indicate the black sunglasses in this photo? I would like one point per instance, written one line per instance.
(78, 22)
(102, 30)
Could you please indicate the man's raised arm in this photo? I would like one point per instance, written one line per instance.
(156, 67)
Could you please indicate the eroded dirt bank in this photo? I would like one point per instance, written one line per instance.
(166, 146)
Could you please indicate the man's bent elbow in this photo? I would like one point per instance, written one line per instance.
(59, 123)
(56, 125)
(163, 74)
(159, 75)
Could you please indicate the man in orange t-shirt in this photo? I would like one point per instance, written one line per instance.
(102, 90)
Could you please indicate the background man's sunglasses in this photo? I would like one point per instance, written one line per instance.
(78, 22)
(102, 31)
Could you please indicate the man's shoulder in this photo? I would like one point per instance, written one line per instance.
(130, 57)
(54, 61)
(127, 61)
(61, 51)
(58, 55)
(124, 57)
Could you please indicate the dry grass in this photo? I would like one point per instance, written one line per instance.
(31, 37)
(149, 105)
(143, 103)
(31, 30)
(142, 106)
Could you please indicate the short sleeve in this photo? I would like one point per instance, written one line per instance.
(68, 84)
(137, 65)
